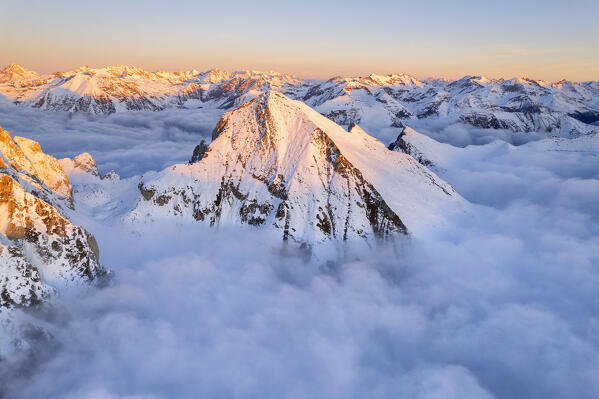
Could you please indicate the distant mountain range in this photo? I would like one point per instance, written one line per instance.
(375, 102)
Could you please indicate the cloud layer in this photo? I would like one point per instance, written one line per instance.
(130, 143)
(501, 305)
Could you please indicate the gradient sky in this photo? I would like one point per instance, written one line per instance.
(540, 39)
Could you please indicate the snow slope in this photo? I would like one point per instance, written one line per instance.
(441, 157)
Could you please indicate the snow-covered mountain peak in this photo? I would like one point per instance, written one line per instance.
(263, 81)
(373, 80)
(276, 163)
(110, 70)
(398, 79)
(15, 72)
(275, 121)
(255, 73)
(14, 68)
(559, 83)
(469, 82)
(214, 75)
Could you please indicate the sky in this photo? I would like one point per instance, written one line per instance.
(547, 40)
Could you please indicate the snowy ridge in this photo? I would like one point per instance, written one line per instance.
(275, 162)
(441, 157)
(425, 150)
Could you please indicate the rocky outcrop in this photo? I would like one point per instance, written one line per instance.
(40, 249)
(198, 152)
(27, 157)
(375, 101)
(82, 163)
(63, 251)
(20, 282)
(45, 167)
(403, 144)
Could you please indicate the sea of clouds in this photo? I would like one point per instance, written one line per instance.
(503, 305)
(130, 143)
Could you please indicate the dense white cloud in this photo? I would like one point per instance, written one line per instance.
(461, 135)
(130, 143)
(501, 305)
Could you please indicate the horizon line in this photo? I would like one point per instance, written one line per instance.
(415, 75)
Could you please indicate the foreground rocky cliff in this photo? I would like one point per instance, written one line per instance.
(41, 251)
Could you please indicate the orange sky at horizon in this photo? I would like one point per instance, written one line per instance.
(454, 41)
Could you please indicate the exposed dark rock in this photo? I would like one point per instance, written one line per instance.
(198, 152)
(145, 192)
(484, 121)
(589, 117)
(401, 145)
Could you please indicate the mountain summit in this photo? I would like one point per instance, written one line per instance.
(275, 162)
(15, 72)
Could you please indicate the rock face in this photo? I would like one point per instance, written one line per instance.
(376, 102)
(40, 249)
(20, 282)
(408, 142)
(26, 156)
(45, 167)
(276, 163)
(198, 152)
(82, 164)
